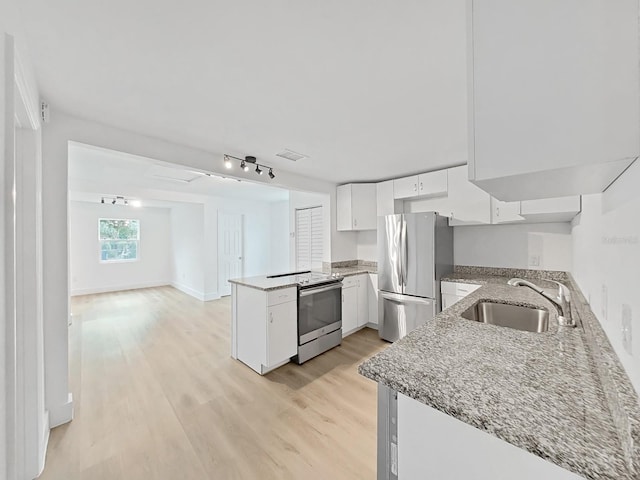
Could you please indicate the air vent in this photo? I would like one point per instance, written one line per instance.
(291, 155)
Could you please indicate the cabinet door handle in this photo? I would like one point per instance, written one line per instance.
(355, 222)
(497, 211)
(270, 317)
(415, 187)
(421, 186)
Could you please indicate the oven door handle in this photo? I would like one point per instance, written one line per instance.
(312, 291)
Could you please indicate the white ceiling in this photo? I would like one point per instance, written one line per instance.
(368, 90)
(96, 172)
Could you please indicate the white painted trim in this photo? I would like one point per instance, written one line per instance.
(44, 443)
(188, 290)
(211, 296)
(62, 413)
(373, 326)
(29, 116)
(118, 288)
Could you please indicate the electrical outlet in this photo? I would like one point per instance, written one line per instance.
(534, 261)
(605, 302)
(627, 339)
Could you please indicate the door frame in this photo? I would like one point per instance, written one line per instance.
(27, 426)
(221, 291)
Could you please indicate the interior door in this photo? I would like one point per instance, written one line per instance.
(418, 259)
(230, 258)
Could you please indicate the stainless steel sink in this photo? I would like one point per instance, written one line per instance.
(528, 319)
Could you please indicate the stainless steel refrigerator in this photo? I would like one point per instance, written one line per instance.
(414, 251)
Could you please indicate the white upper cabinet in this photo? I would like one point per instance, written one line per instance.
(387, 203)
(406, 187)
(561, 209)
(468, 204)
(356, 207)
(505, 212)
(553, 95)
(431, 184)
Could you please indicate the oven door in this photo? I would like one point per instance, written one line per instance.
(319, 311)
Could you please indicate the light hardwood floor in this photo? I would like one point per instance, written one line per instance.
(157, 396)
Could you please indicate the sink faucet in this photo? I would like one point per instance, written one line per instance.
(562, 301)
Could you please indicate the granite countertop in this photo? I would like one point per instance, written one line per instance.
(261, 282)
(543, 392)
(348, 271)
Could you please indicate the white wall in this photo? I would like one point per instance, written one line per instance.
(367, 248)
(542, 246)
(606, 261)
(188, 244)
(194, 234)
(280, 237)
(89, 275)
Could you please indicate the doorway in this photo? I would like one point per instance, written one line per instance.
(230, 255)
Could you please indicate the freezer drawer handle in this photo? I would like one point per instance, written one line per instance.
(405, 298)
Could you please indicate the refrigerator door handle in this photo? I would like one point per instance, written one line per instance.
(406, 298)
(403, 253)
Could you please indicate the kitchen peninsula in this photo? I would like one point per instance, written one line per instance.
(541, 392)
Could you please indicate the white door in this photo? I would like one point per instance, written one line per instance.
(230, 257)
(309, 241)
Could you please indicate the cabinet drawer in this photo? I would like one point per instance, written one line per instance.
(459, 289)
(282, 295)
(351, 281)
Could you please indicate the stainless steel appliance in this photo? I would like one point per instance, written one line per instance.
(414, 251)
(319, 314)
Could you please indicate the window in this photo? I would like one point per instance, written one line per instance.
(119, 239)
(309, 238)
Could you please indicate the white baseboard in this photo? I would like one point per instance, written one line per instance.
(61, 414)
(188, 290)
(44, 443)
(372, 325)
(117, 288)
(211, 296)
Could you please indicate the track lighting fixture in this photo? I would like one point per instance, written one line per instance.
(123, 200)
(246, 162)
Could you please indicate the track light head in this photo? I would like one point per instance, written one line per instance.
(258, 170)
(102, 200)
(113, 202)
(227, 162)
(126, 202)
(244, 166)
(271, 174)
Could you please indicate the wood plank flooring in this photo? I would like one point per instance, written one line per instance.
(157, 396)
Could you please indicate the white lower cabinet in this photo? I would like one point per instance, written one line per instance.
(431, 444)
(282, 333)
(349, 309)
(373, 298)
(355, 303)
(264, 327)
(453, 292)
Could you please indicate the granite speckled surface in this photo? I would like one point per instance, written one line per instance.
(350, 267)
(263, 283)
(561, 395)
